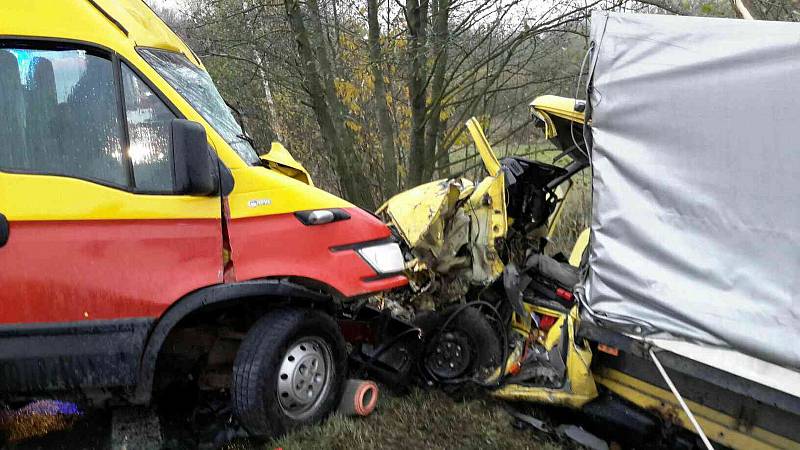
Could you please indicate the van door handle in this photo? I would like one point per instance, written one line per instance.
(3, 230)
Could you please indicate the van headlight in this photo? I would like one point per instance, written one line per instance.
(385, 258)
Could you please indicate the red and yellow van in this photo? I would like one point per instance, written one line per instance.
(140, 230)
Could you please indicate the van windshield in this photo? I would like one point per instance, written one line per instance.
(195, 85)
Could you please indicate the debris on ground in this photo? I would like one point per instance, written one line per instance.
(421, 419)
(38, 418)
(582, 437)
(360, 398)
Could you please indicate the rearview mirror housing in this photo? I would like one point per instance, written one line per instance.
(194, 164)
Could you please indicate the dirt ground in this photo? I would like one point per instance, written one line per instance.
(419, 420)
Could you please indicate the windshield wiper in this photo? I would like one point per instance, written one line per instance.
(247, 139)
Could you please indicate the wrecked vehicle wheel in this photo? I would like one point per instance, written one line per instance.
(460, 345)
(449, 355)
(289, 372)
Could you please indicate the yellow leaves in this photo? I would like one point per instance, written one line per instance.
(398, 44)
(346, 42)
(350, 95)
(355, 88)
(354, 126)
(446, 113)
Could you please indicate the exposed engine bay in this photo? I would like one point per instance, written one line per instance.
(486, 305)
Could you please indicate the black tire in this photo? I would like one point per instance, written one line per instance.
(259, 360)
(472, 328)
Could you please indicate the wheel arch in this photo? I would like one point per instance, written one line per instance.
(217, 295)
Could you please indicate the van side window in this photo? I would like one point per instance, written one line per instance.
(149, 132)
(59, 115)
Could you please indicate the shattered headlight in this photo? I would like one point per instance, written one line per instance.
(385, 258)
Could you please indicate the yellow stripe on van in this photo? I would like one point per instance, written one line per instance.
(46, 197)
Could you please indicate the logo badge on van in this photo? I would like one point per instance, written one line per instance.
(259, 202)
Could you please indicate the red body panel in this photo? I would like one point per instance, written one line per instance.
(64, 271)
(280, 245)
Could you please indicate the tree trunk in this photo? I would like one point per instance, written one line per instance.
(268, 129)
(331, 138)
(385, 128)
(441, 34)
(360, 192)
(417, 19)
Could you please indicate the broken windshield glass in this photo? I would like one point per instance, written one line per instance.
(196, 86)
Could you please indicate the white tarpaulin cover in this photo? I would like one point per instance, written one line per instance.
(696, 163)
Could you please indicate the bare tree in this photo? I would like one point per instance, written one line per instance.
(320, 90)
(385, 128)
(372, 95)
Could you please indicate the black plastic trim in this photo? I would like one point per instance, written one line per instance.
(122, 111)
(109, 17)
(358, 245)
(38, 357)
(595, 333)
(382, 276)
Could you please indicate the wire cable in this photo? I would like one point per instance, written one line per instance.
(680, 399)
(577, 90)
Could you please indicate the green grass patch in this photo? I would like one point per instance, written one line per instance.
(420, 420)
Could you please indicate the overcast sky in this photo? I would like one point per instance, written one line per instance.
(171, 4)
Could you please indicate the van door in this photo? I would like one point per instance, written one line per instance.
(95, 243)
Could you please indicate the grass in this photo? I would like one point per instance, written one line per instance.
(420, 420)
(423, 419)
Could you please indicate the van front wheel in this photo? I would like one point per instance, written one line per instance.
(289, 371)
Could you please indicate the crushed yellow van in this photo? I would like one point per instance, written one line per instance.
(518, 327)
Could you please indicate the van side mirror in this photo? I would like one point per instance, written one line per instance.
(194, 164)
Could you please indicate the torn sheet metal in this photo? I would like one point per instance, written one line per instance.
(696, 167)
(420, 214)
(574, 386)
(548, 107)
(451, 227)
(452, 232)
(280, 160)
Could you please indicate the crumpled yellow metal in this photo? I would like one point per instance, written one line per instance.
(422, 215)
(280, 160)
(546, 106)
(580, 387)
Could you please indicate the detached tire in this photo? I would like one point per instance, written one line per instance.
(289, 372)
(468, 348)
